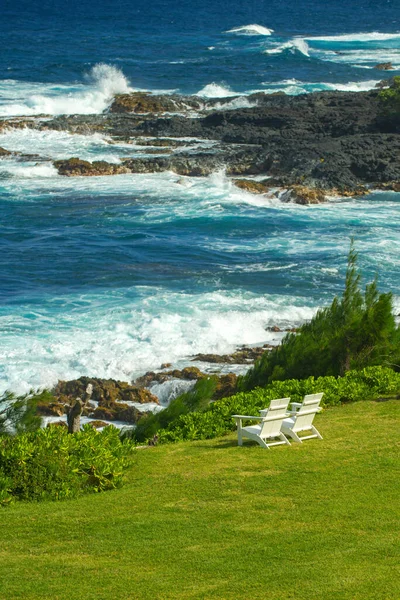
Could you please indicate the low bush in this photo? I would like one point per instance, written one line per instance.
(216, 420)
(52, 464)
(195, 399)
(390, 97)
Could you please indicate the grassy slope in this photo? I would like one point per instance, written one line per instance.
(212, 520)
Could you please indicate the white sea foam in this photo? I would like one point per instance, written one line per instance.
(171, 389)
(239, 102)
(111, 337)
(294, 87)
(251, 30)
(61, 144)
(215, 90)
(294, 45)
(27, 170)
(373, 36)
(103, 82)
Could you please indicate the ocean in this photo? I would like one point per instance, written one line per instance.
(112, 276)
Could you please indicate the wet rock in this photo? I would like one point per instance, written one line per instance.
(226, 386)
(242, 356)
(144, 102)
(274, 328)
(53, 409)
(75, 167)
(104, 391)
(4, 152)
(58, 424)
(384, 66)
(166, 365)
(116, 411)
(391, 186)
(303, 195)
(151, 377)
(164, 142)
(254, 187)
(98, 424)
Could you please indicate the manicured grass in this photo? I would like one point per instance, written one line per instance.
(208, 519)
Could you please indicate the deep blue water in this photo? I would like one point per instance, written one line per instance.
(112, 276)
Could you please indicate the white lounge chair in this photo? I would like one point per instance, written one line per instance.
(301, 418)
(271, 421)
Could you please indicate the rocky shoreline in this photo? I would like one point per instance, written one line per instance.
(123, 402)
(302, 149)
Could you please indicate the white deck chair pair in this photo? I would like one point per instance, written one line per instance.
(276, 423)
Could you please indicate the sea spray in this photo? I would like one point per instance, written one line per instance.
(103, 82)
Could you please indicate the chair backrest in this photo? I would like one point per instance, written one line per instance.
(272, 419)
(307, 411)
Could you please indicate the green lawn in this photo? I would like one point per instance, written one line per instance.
(213, 520)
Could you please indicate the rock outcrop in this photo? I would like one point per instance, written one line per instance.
(75, 167)
(326, 141)
(253, 187)
(145, 102)
(104, 391)
(387, 66)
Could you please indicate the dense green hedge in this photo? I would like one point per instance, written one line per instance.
(216, 420)
(52, 464)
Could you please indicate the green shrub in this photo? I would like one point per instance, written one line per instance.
(195, 399)
(52, 464)
(390, 97)
(356, 331)
(216, 420)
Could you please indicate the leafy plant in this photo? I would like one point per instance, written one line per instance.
(390, 97)
(195, 399)
(50, 464)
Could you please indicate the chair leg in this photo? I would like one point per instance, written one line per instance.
(262, 443)
(294, 436)
(283, 437)
(239, 432)
(317, 433)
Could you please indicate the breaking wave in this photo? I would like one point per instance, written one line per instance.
(214, 90)
(294, 45)
(251, 30)
(103, 82)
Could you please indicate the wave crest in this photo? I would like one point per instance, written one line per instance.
(294, 45)
(251, 30)
(214, 90)
(104, 81)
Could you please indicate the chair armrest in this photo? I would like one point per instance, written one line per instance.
(247, 417)
(296, 405)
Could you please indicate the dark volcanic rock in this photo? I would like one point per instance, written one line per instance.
(384, 66)
(335, 142)
(301, 194)
(75, 167)
(188, 373)
(242, 356)
(105, 391)
(144, 102)
(254, 187)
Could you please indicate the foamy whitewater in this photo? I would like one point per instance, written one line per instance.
(112, 276)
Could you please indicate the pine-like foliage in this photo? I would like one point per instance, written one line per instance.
(356, 331)
(18, 413)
